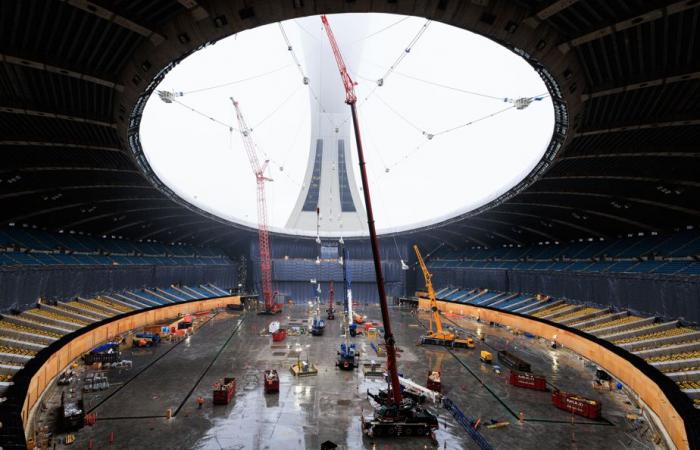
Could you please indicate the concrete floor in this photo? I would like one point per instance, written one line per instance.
(311, 410)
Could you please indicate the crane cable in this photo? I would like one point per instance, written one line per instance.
(305, 78)
(408, 49)
(379, 31)
(217, 121)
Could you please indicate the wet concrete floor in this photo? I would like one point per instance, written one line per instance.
(328, 406)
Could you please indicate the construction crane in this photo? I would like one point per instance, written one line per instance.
(348, 355)
(437, 335)
(271, 307)
(397, 416)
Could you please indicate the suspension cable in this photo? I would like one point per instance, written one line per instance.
(404, 53)
(230, 83)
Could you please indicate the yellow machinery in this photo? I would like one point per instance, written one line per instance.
(436, 334)
(486, 356)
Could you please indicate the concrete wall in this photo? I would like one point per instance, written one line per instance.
(619, 367)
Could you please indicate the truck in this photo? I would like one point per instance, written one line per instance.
(224, 391)
(527, 380)
(513, 362)
(577, 404)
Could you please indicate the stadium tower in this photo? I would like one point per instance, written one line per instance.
(329, 182)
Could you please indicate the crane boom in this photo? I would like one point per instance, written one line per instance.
(348, 84)
(431, 293)
(351, 99)
(263, 231)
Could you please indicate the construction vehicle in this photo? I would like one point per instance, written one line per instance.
(397, 416)
(272, 381)
(348, 355)
(436, 334)
(271, 306)
(317, 326)
(486, 357)
(330, 310)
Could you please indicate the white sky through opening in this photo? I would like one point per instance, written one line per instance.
(427, 180)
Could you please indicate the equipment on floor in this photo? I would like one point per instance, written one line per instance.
(436, 334)
(348, 357)
(434, 382)
(303, 368)
(330, 310)
(279, 335)
(271, 381)
(71, 414)
(145, 339)
(527, 380)
(577, 404)
(468, 423)
(105, 353)
(317, 326)
(486, 357)
(513, 362)
(271, 306)
(398, 416)
(223, 391)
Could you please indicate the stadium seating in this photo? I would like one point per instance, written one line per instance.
(19, 246)
(666, 255)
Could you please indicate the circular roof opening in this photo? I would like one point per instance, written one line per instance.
(450, 121)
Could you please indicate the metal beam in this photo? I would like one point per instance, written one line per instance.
(632, 155)
(644, 126)
(510, 224)
(74, 188)
(649, 16)
(624, 178)
(103, 13)
(30, 112)
(488, 232)
(641, 85)
(587, 211)
(172, 227)
(140, 222)
(60, 71)
(60, 145)
(680, 209)
(75, 205)
(67, 168)
(549, 219)
(551, 10)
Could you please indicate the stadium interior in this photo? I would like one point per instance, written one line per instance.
(122, 303)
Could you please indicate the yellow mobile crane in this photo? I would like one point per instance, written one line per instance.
(437, 335)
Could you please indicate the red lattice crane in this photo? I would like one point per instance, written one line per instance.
(271, 307)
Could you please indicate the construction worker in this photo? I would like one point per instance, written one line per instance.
(200, 402)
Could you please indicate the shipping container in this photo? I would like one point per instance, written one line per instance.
(527, 380)
(513, 362)
(576, 404)
(223, 392)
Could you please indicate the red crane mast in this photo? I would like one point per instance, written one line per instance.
(263, 234)
(351, 99)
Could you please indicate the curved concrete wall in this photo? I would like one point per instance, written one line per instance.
(600, 352)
